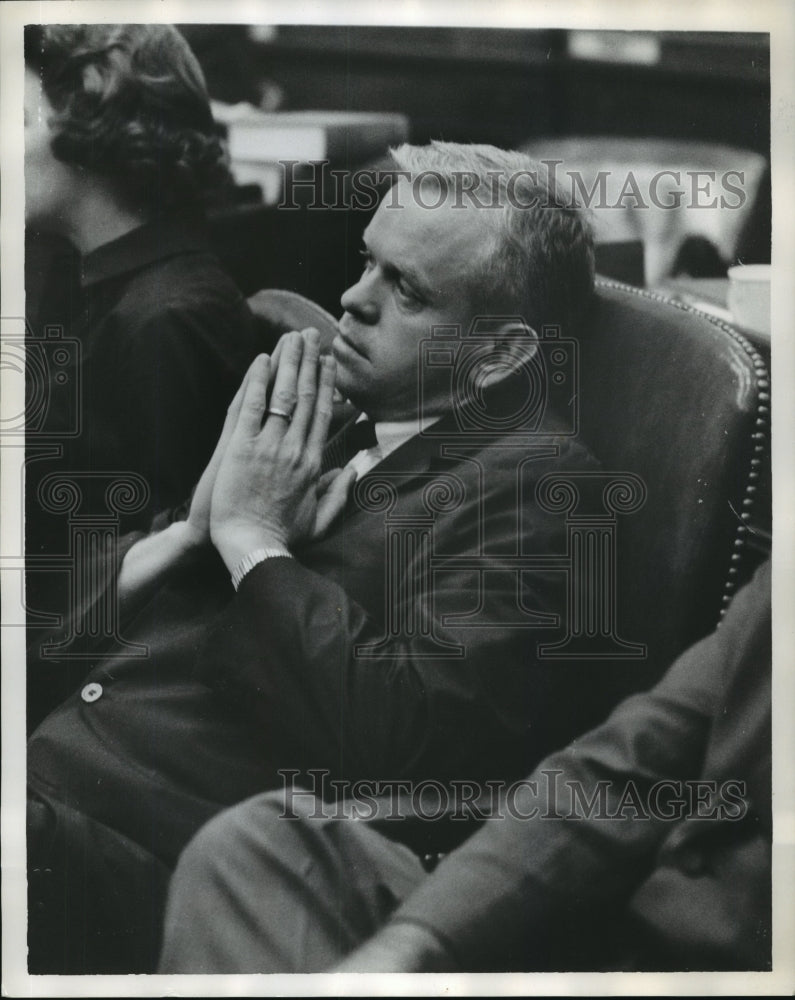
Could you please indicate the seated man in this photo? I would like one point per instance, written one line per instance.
(644, 845)
(290, 623)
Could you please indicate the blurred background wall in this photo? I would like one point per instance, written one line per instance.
(504, 86)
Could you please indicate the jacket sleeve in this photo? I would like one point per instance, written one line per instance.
(529, 877)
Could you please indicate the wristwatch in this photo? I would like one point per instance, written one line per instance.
(254, 558)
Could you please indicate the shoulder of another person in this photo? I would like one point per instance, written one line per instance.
(152, 306)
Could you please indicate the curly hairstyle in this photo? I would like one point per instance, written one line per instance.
(130, 104)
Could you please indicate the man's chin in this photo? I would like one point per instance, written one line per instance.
(348, 387)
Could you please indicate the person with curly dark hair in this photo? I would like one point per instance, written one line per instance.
(128, 104)
(121, 158)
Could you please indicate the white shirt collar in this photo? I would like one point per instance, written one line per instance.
(390, 435)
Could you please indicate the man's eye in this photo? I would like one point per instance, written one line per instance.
(367, 260)
(406, 292)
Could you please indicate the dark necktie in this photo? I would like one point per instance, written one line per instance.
(352, 439)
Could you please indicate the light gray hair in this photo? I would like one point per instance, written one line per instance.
(539, 262)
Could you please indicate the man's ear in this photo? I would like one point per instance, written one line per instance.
(515, 344)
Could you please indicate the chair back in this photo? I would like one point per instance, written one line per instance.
(681, 400)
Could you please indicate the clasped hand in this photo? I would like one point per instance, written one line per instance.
(263, 486)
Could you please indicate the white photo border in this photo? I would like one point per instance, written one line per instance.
(777, 17)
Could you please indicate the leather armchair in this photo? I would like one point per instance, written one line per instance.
(681, 400)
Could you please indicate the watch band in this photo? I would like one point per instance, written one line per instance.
(254, 558)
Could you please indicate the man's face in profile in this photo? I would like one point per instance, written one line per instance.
(417, 267)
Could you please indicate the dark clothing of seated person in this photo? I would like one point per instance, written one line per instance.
(294, 621)
(644, 845)
(126, 400)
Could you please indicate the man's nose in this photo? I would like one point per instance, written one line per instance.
(362, 299)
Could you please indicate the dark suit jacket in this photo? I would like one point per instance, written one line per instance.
(236, 686)
(679, 888)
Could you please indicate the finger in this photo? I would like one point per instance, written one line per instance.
(326, 335)
(307, 386)
(277, 352)
(230, 421)
(284, 393)
(326, 480)
(233, 410)
(275, 356)
(333, 501)
(254, 396)
(323, 406)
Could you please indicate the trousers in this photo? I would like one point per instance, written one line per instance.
(264, 893)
